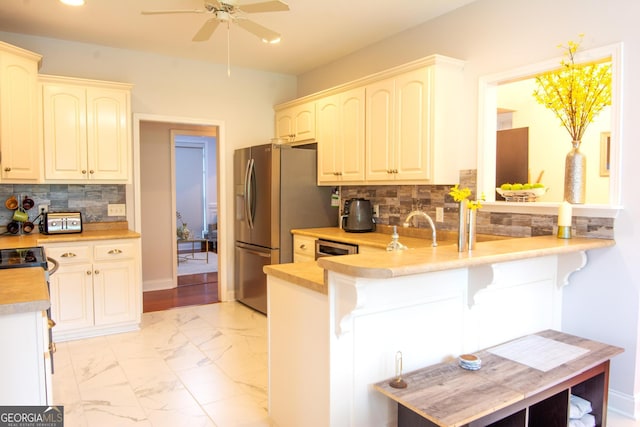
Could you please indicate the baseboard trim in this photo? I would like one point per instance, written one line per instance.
(624, 404)
(157, 285)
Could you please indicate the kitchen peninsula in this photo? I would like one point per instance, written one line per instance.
(335, 325)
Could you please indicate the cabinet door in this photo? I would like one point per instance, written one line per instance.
(107, 134)
(412, 148)
(352, 132)
(304, 118)
(115, 288)
(72, 297)
(328, 134)
(285, 127)
(19, 145)
(340, 134)
(379, 131)
(64, 132)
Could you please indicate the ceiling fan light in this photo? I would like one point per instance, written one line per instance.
(73, 2)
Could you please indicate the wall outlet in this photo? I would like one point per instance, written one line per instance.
(376, 211)
(43, 208)
(439, 214)
(118, 209)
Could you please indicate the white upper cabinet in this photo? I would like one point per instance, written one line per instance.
(407, 120)
(297, 123)
(340, 135)
(19, 143)
(86, 130)
(398, 124)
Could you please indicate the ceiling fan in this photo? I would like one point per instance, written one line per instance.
(230, 11)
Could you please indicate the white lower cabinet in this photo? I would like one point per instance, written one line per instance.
(97, 289)
(25, 365)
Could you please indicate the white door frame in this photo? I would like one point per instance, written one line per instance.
(133, 190)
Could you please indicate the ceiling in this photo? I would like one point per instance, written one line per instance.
(314, 32)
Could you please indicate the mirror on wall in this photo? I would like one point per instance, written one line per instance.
(520, 140)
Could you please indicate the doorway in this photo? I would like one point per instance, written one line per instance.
(512, 157)
(153, 195)
(195, 183)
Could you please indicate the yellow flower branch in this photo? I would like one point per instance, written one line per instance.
(463, 194)
(576, 93)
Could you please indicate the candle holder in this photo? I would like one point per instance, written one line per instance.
(564, 232)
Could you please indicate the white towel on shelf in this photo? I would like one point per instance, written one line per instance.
(578, 407)
(587, 420)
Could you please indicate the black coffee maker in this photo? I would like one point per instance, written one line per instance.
(358, 216)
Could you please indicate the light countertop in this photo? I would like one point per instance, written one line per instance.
(371, 239)
(23, 290)
(36, 239)
(428, 259)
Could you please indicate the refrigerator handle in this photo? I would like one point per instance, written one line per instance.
(249, 193)
(258, 253)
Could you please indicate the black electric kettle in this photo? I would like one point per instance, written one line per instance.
(358, 216)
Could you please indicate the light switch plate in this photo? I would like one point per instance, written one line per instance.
(439, 214)
(116, 209)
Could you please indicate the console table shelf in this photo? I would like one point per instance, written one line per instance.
(505, 393)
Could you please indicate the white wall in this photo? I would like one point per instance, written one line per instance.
(166, 86)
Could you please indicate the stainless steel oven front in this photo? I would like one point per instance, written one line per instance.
(331, 248)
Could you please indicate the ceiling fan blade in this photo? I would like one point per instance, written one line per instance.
(163, 12)
(265, 6)
(207, 29)
(263, 33)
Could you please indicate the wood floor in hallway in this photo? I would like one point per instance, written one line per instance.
(193, 289)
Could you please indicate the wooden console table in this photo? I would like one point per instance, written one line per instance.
(504, 392)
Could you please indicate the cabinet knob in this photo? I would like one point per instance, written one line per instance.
(91, 171)
(97, 271)
(84, 171)
(7, 169)
(303, 246)
(88, 272)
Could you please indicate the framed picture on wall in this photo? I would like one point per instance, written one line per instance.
(605, 152)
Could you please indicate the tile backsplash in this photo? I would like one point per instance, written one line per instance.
(91, 199)
(396, 201)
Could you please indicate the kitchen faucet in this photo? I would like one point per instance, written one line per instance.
(424, 214)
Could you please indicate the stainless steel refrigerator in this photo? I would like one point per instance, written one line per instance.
(275, 191)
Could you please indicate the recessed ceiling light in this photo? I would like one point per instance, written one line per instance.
(73, 2)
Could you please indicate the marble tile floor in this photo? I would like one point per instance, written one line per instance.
(189, 366)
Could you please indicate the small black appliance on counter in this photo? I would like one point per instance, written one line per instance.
(61, 223)
(358, 216)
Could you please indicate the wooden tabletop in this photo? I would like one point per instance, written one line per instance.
(448, 395)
